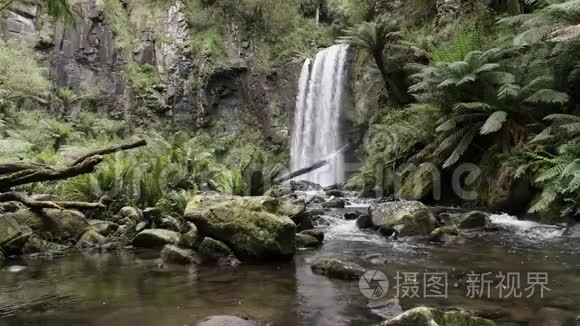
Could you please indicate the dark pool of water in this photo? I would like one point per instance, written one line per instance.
(130, 288)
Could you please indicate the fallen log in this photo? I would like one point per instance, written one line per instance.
(36, 204)
(110, 150)
(300, 172)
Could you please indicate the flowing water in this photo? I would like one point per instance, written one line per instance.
(316, 135)
(132, 288)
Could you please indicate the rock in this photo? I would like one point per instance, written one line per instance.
(12, 235)
(279, 191)
(171, 254)
(548, 316)
(91, 239)
(444, 235)
(132, 213)
(419, 185)
(306, 241)
(212, 250)
(156, 238)
(364, 221)
(351, 215)
(572, 231)
(334, 203)
(315, 212)
(316, 200)
(10, 207)
(305, 224)
(141, 226)
(336, 268)
(376, 258)
(304, 185)
(170, 223)
(407, 218)
(386, 309)
(226, 321)
(229, 261)
(191, 239)
(423, 316)
(473, 219)
(36, 245)
(334, 192)
(314, 233)
(103, 227)
(251, 230)
(53, 224)
(152, 214)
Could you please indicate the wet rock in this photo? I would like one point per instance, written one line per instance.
(305, 224)
(315, 212)
(212, 250)
(37, 245)
(152, 214)
(91, 239)
(170, 223)
(279, 191)
(351, 215)
(336, 268)
(376, 259)
(103, 227)
(131, 213)
(141, 226)
(386, 309)
(314, 233)
(306, 241)
(334, 203)
(424, 316)
(53, 224)
(316, 200)
(364, 221)
(156, 238)
(229, 261)
(226, 321)
(304, 185)
(12, 235)
(407, 218)
(171, 254)
(251, 230)
(548, 316)
(191, 239)
(334, 192)
(573, 231)
(473, 220)
(444, 235)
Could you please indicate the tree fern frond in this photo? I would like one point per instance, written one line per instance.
(494, 122)
(547, 96)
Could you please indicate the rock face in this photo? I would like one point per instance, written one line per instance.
(408, 218)
(156, 238)
(423, 316)
(337, 268)
(253, 227)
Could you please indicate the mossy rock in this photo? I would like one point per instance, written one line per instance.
(13, 235)
(314, 233)
(91, 239)
(473, 220)
(171, 254)
(408, 218)
(57, 225)
(306, 241)
(424, 316)
(445, 235)
(104, 228)
(156, 238)
(191, 239)
(246, 225)
(212, 250)
(337, 268)
(419, 185)
(36, 245)
(132, 213)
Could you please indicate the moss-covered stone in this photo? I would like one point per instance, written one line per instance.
(103, 227)
(473, 220)
(131, 213)
(212, 250)
(91, 239)
(337, 268)
(53, 224)
(444, 235)
(314, 233)
(424, 316)
(156, 238)
(191, 239)
(408, 218)
(36, 245)
(306, 241)
(246, 225)
(12, 235)
(419, 185)
(171, 254)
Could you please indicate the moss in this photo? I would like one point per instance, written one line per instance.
(424, 316)
(337, 268)
(12, 234)
(54, 224)
(306, 241)
(211, 249)
(419, 185)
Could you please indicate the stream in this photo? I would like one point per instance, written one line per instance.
(133, 288)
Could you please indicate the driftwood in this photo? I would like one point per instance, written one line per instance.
(21, 173)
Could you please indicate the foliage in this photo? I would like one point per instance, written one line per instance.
(20, 74)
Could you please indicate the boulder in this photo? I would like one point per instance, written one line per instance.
(337, 268)
(12, 235)
(156, 238)
(305, 224)
(376, 259)
(169, 223)
(191, 239)
(444, 235)
(351, 215)
(131, 213)
(91, 239)
(306, 241)
(407, 218)
(103, 227)
(37, 245)
(226, 321)
(171, 254)
(334, 192)
(548, 316)
(419, 185)
(152, 214)
(364, 221)
(473, 220)
(53, 224)
(334, 203)
(250, 228)
(316, 200)
(424, 316)
(211, 250)
(314, 233)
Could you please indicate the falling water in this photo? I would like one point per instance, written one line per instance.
(316, 135)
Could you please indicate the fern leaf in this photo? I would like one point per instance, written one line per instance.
(461, 148)
(547, 96)
(493, 123)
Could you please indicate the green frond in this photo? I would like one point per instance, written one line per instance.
(494, 122)
(547, 96)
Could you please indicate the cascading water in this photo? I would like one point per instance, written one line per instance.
(316, 134)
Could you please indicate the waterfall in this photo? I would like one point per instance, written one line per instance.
(316, 133)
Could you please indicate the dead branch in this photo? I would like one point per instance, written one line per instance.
(110, 150)
(300, 172)
(37, 204)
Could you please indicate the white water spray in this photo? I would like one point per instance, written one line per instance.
(316, 134)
